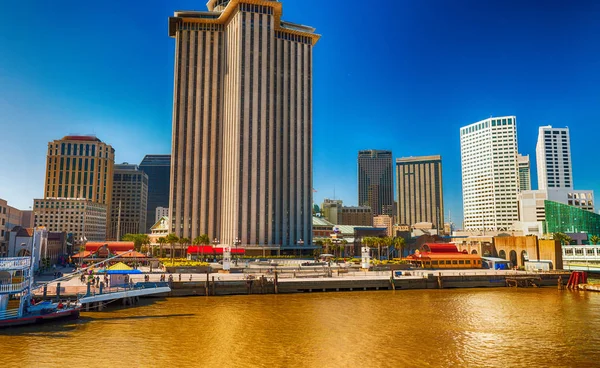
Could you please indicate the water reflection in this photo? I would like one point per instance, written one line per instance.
(420, 328)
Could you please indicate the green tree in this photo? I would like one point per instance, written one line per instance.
(327, 242)
(183, 242)
(595, 239)
(344, 242)
(399, 243)
(137, 240)
(172, 239)
(387, 242)
(563, 238)
(161, 243)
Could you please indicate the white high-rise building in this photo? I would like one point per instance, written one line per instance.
(553, 155)
(490, 175)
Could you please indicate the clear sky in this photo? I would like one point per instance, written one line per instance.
(390, 74)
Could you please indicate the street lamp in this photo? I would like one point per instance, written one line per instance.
(236, 242)
(215, 243)
(300, 243)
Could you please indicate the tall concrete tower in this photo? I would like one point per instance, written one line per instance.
(242, 124)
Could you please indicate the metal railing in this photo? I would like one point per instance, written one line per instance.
(14, 263)
(13, 288)
(11, 313)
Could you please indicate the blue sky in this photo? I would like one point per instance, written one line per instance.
(401, 75)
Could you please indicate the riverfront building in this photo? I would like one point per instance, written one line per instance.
(9, 218)
(375, 181)
(242, 124)
(490, 178)
(335, 212)
(524, 172)
(553, 155)
(78, 187)
(158, 169)
(129, 201)
(420, 193)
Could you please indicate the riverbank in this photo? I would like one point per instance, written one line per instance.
(257, 281)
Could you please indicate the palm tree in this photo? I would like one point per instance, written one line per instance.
(563, 238)
(172, 239)
(145, 240)
(183, 242)
(202, 240)
(387, 241)
(398, 243)
(380, 242)
(343, 248)
(595, 239)
(327, 243)
(161, 243)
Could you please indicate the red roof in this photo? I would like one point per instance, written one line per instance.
(133, 254)
(112, 246)
(434, 256)
(81, 138)
(439, 248)
(83, 254)
(207, 249)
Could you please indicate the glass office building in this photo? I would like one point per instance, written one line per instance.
(158, 169)
(569, 219)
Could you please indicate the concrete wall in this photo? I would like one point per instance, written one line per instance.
(517, 244)
(551, 250)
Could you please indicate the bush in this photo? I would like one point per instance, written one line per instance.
(181, 262)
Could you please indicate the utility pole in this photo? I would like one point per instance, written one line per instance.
(119, 223)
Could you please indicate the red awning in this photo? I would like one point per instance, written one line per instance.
(207, 249)
(112, 246)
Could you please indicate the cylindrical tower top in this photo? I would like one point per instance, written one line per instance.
(217, 5)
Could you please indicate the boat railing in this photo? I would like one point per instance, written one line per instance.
(14, 263)
(13, 288)
(7, 314)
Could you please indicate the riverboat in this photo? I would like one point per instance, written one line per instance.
(17, 306)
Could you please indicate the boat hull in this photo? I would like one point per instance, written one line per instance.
(66, 314)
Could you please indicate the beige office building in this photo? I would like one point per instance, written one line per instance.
(242, 124)
(420, 194)
(356, 215)
(384, 222)
(79, 175)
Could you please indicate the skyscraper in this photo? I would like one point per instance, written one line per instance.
(553, 156)
(158, 169)
(129, 200)
(375, 181)
(420, 192)
(242, 124)
(78, 187)
(524, 172)
(490, 177)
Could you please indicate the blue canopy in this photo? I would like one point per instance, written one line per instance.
(120, 272)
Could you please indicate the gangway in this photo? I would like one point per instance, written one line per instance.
(127, 294)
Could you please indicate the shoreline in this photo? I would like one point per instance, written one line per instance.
(281, 282)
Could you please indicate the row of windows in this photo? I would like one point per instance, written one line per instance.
(292, 37)
(256, 9)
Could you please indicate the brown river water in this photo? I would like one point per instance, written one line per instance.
(409, 328)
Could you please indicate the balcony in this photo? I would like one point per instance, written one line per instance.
(14, 263)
